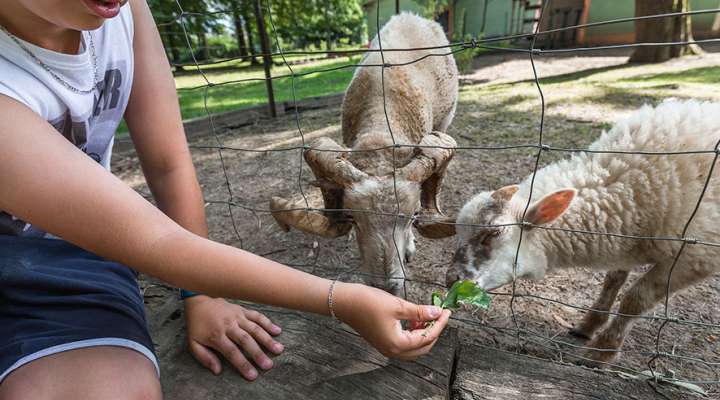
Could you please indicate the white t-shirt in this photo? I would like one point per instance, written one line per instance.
(87, 120)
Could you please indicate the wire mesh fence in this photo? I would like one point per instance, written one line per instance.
(520, 331)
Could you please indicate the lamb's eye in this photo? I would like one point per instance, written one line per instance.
(490, 236)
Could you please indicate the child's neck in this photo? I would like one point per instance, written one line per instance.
(30, 27)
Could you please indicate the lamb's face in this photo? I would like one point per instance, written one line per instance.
(488, 233)
(485, 253)
(385, 241)
(488, 230)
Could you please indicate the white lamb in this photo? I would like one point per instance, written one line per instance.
(628, 194)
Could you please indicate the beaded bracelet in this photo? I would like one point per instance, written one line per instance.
(330, 299)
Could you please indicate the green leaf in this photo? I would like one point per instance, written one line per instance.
(480, 300)
(451, 297)
(463, 292)
(437, 299)
(469, 293)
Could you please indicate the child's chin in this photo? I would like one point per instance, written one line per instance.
(88, 22)
(96, 23)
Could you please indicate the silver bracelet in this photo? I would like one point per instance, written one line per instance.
(330, 299)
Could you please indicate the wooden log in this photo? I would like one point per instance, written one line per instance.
(485, 373)
(323, 359)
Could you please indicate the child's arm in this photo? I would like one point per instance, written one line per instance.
(153, 117)
(48, 182)
(51, 184)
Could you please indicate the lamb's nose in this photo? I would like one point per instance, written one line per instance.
(451, 278)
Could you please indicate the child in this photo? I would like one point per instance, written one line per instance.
(72, 235)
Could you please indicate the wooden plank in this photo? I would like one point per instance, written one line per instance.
(484, 373)
(323, 360)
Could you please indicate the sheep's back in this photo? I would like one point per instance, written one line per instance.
(420, 96)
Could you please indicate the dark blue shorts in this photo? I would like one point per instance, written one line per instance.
(56, 297)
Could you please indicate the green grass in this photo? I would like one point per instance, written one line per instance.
(228, 95)
(232, 96)
(621, 86)
(707, 75)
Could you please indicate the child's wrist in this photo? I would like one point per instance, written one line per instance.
(342, 296)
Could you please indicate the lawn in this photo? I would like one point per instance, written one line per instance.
(603, 93)
(227, 94)
(620, 87)
(230, 96)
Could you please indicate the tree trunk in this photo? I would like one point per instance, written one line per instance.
(267, 59)
(172, 47)
(204, 48)
(251, 46)
(653, 30)
(662, 30)
(240, 34)
(328, 35)
(683, 32)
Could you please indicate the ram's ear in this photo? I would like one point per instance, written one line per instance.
(550, 207)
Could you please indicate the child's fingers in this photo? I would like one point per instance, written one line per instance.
(417, 325)
(250, 346)
(420, 338)
(233, 354)
(261, 336)
(413, 312)
(205, 357)
(413, 354)
(263, 321)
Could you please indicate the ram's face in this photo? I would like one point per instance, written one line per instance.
(380, 206)
(382, 210)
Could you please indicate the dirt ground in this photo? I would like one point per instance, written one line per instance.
(499, 105)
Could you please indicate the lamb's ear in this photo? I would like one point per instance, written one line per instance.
(504, 193)
(550, 207)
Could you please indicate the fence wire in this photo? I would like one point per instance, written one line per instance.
(523, 336)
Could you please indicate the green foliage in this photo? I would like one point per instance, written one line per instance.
(462, 292)
(464, 60)
(222, 46)
(309, 22)
(434, 7)
(320, 24)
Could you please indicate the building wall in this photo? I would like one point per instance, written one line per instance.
(486, 18)
(387, 10)
(603, 10)
(483, 18)
(492, 18)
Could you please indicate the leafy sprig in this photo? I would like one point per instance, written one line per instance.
(460, 293)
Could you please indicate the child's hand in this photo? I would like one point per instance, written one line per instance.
(230, 330)
(376, 315)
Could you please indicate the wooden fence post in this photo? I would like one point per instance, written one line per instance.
(267, 58)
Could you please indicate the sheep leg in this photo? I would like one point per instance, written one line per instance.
(644, 294)
(594, 320)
